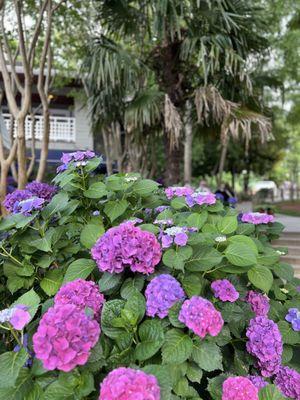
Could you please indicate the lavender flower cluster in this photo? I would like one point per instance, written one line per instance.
(64, 337)
(161, 294)
(127, 246)
(293, 317)
(129, 384)
(79, 157)
(239, 388)
(177, 235)
(265, 343)
(199, 315)
(257, 218)
(258, 302)
(17, 316)
(258, 381)
(201, 198)
(82, 294)
(224, 290)
(288, 381)
(179, 191)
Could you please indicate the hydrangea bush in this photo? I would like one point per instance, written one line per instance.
(116, 288)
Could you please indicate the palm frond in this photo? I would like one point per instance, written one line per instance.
(173, 122)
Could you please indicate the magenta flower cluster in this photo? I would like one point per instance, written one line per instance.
(129, 384)
(265, 343)
(127, 246)
(239, 388)
(257, 218)
(79, 157)
(258, 381)
(288, 381)
(64, 337)
(259, 303)
(42, 190)
(201, 198)
(224, 290)
(179, 191)
(83, 294)
(199, 315)
(161, 294)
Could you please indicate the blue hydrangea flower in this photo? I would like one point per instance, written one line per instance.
(293, 317)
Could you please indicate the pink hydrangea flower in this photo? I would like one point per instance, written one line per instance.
(64, 337)
(257, 218)
(161, 294)
(179, 191)
(199, 315)
(20, 317)
(83, 294)
(239, 388)
(129, 384)
(124, 246)
(259, 303)
(224, 290)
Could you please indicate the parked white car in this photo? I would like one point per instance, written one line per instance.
(264, 185)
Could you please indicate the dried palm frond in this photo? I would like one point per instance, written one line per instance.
(173, 122)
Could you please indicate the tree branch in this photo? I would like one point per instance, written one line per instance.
(36, 32)
(22, 40)
(7, 84)
(58, 5)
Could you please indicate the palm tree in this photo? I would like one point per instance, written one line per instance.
(144, 67)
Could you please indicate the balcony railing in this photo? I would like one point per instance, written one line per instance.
(62, 129)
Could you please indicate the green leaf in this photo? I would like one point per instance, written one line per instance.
(52, 282)
(240, 254)
(270, 392)
(176, 258)
(152, 336)
(90, 234)
(114, 209)
(207, 355)
(284, 271)
(241, 239)
(173, 315)
(80, 268)
(144, 187)
(177, 347)
(58, 203)
(192, 284)
(197, 220)
(111, 310)
(109, 282)
(137, 305)
(194, 373)
(97, 190)
(228, 224)
(162, 374)
(204, 257)
(31, 300)
(131, 286)
(183, 389)
(178, 203)
(261, 277)
(215, 385)
(289, 336)
(245, 229)
(10, 366)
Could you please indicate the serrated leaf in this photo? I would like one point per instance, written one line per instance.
(52, 282)
(261, 277)
(177, 347)
(203, 258)
(207, 355)
(270, 392)
(197, 220)
(30, 299)
(228, 224)
(240, 254)
(90, 234)
(144, 187)
(80, 268)
(109, 282)
(289, 336)
(152, 336)
(97, 190)
(10, 365)
(114, 209)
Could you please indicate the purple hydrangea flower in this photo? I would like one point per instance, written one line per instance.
(161, 209)
(176, 234)
(162, 222)
(201, 198)
(257, 218)
(224, 290)
(162, 293)
(124, 246)
(16, 197)
(129, 384)
(20, 317)
(232, 200)
(265, 343)
(42, 190)
(26, 207)
(219, 196)
(288, 381)
(259, 303)
(239, 388)
(179, 191)
(199, 315)
(78, 156)
(258, 381)
(293, 317)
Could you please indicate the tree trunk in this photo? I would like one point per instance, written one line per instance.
(45, 145)
(188, 142)
(105, 136)
(222, 160)
(172, 162)
(3, 185)
(21, 154)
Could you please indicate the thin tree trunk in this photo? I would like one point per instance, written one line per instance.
(32, 161)
(45, 144)
(3, 185)
(105, 136)
(172, 160)
(188, 142)
(21, 153)
(222, 160)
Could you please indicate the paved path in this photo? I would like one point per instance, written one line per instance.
(292, 224)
